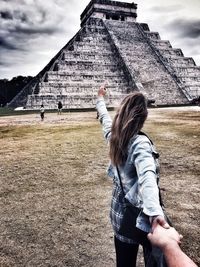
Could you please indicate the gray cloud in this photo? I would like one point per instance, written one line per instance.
(186, 28)
(6, 14)
(6, 44)
(21, 22)
(166, 9)
(33, 30)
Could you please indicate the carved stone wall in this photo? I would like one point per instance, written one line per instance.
(80, 70)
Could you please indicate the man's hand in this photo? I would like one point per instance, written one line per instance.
(163, 238)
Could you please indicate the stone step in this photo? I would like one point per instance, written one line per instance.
(96, 59)
(88, 52)
(87, 83)
(96, 30)
(194, 87)
(77, 84)
(92, 56)
(64, 89)
(121, 25)
(85, 53)
(84, 79)
(73, 101)
(93, 41)
(157, 84)
(181, 62)
(77, 95)
(87, 66)
(134, 48)
(127, 36)
(162, 44)
(193, 71)
(152, 35)
(71, 62)
(88, 74)
(171, 52)
(194, 90)
(98, 49)
(100, 74)
(97, 40)
(191, 79)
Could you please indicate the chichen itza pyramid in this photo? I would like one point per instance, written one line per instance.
(112, 46)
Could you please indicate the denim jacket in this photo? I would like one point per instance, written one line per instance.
(139, 175)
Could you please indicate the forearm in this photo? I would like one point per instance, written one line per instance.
(104, 117)
(150, 195)
(147, 177)
(175, 257)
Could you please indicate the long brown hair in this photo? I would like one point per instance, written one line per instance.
(128, 121)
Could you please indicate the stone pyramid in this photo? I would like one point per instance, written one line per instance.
(112, 46)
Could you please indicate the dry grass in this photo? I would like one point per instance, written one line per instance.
(55, 194)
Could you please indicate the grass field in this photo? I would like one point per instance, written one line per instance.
(55, 195)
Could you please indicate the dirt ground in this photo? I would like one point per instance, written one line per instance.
(55, 195)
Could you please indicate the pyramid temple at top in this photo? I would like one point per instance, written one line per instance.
(111, 46)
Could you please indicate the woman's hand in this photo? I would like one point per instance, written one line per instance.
(102, 90)
(159, 220)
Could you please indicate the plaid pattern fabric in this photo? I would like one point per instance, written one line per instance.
(116, 213)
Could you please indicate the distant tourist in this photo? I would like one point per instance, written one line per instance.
(42, 110)
(97, 116)
(60, 107)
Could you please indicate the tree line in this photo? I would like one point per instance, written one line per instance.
(10, 88)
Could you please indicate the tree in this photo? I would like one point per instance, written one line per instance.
(10, 88)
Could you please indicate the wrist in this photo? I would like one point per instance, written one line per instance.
(170, 246)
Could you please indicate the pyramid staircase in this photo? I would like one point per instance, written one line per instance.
(183, 69)
(122, 52)
(146, 66)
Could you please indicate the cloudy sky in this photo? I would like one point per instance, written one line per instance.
(33, 31)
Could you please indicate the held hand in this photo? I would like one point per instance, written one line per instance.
(102, 90)
(161, 221)
(163, 237)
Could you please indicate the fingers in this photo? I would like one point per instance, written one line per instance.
(103, 86)
(101, 92)
(161, 221)
(180, 238)
(162, 237)
(149, 236)
(102, 89)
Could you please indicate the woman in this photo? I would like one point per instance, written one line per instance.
(134, 162)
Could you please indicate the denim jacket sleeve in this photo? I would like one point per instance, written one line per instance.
(104, 118)
(147, 177)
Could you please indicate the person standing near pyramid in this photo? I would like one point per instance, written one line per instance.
(60, 107)
(42, 111)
